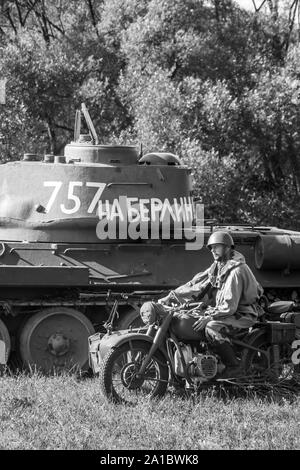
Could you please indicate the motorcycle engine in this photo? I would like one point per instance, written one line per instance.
(204, 366)
(199, 365)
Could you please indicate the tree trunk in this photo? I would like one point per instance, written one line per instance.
(294, 161)
(52, 137)
(267, 169)
(276, 156)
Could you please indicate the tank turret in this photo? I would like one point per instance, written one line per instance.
(56, 198)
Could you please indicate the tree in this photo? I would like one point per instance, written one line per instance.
(50, 78)
(201, 78)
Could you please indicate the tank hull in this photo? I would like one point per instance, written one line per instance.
(164, 264)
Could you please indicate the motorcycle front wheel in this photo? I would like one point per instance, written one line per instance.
(118, 377)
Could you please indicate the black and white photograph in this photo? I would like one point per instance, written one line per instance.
(149, 230)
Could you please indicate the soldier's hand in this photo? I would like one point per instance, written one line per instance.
(164, 300)
(201, 323)
(170, 299)
(198, 307)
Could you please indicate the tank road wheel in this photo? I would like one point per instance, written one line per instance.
(56, 339)
(118, 380)
(5, 344)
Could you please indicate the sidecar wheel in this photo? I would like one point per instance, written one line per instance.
(118, 380)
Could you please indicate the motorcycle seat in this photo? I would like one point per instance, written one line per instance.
(279, 307)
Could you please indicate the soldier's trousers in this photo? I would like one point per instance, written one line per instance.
(218, 331)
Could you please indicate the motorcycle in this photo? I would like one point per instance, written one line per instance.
(168, 352)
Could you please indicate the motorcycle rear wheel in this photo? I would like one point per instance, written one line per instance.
(256, 364)
(118, 380)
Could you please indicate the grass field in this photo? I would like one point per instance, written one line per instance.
(68, 412)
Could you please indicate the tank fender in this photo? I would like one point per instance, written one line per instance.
(277, 252)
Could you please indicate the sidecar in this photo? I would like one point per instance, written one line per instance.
(101, 343)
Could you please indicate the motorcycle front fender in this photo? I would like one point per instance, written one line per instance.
(119, 338)
(100, 344)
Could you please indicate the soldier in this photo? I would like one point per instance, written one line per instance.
(230, 291)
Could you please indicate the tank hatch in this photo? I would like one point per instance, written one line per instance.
(159, 158)
(119, 155)
(86, 148)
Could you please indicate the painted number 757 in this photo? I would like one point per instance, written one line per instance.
(75, 203)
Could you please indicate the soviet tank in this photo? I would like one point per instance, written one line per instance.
(103, 222)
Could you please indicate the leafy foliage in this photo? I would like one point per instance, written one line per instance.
(205, 79)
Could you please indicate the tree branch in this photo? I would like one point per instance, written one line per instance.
(65, 128)
(19, 13)
(291, 22)
(93, 15)
(9, 17)
(31, 7)
(257, 9)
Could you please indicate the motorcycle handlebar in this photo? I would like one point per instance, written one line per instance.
(183, 306)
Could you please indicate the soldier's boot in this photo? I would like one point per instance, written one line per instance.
(229, 359)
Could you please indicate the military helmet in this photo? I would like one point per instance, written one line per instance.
(220, 236)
